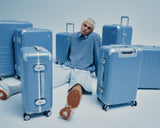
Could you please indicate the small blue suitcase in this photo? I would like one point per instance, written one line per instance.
(36, 78)
(117, 34)
(150, 67)
(118, 72)
(7, 29)
(62, 44)
(30, 37)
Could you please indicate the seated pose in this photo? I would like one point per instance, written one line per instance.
(83, 55)
(82, 60)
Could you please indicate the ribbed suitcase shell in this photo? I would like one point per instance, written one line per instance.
(62, 44)
(117, 34)
(150, 67)
(36, 85)
(7, 29)
(31, 37)
(118, 73)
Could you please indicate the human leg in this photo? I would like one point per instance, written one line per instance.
(80, 80)
(61, 75)
(9, 87)
(73, 100)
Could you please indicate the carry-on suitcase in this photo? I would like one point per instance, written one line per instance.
(36, 78)
(117, 34)
(31, 37)
(7, 29)
(150, 67)
(62, 44)
(118, 73)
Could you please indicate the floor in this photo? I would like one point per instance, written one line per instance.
(89, 113)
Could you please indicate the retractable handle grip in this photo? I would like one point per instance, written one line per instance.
(71, 24)
(124, 17)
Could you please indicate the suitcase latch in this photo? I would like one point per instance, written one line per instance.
(100, 89)
(40, 102)
(39, 68)
(103, 60)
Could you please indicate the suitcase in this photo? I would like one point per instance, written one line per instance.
(118, 73)
(150, 68)
(36, 78)
(62, 44)
(117, 34)
(31, 37)
(7, 29)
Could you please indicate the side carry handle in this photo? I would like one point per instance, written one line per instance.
(40, 48)
(124, 17)
(72, 24)
(128, 52)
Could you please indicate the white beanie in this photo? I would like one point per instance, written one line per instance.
(91, 21)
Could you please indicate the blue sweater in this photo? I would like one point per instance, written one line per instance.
(83, 52)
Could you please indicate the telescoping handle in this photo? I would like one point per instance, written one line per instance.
(71, 24)
(124, 17)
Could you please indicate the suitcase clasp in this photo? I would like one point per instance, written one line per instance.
(100, 89)
(39, 68)
(40, 102)
(103, 60)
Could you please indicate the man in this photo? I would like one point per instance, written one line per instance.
(82, 60)
(83, 54)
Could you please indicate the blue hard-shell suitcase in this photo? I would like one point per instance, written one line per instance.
(7, 29)
(118, 73)
(117, 34)
(150, 67)
(62, 44)
(36, 78)
(31, 37)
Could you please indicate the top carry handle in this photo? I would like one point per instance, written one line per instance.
(67, 24)
(124, 17)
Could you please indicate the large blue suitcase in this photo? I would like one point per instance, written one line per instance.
(7, 29)
(117, 34)
(118, 73)
(62, 44)
(31, 37)
(150, 67)
(36, 78)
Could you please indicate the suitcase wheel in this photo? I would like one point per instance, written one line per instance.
(17, 77)
(48, 113)
(133, 103)
(27, 117)
(105, 107)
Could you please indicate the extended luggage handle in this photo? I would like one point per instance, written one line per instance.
(124, 17)
(72, 24)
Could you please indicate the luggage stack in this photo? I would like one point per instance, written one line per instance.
(62, 44)
(30, 37)
(7, 29)
(124, 68)
(36, 55)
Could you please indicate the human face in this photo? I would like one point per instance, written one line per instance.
(86, 28)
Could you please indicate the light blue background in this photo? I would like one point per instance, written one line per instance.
(53, 14)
